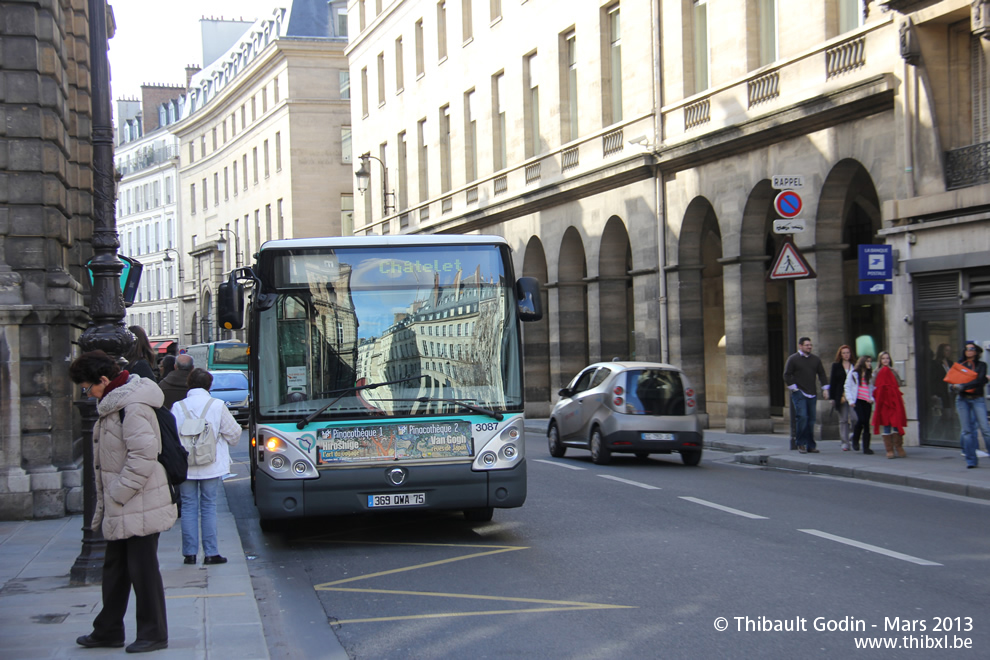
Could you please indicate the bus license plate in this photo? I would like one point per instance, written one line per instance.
(658, 436)
(396, 499)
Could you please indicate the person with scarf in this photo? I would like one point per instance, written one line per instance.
(133, 502)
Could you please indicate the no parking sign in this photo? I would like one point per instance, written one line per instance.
(787, 204)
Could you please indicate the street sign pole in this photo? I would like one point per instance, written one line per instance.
(791, 348)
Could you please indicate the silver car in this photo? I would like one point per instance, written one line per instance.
(639, 408)
(231, 387)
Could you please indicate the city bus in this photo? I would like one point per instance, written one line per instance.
(220, 355)
(386, 373)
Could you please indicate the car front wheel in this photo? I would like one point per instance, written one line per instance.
(557, 448)
(600, 454)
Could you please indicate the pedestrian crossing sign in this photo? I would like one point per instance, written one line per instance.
(790, 264)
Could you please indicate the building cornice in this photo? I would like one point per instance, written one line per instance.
(587, 184)
(867, 97)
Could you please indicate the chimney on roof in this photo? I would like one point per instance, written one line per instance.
(191, 70)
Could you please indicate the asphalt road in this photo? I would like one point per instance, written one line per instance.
(631, 560)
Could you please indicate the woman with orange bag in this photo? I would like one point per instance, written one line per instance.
(971, 404)
(889, 414)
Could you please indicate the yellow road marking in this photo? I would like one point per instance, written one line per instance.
(437, 594)
(442, 615)
(440, 562)
(554, 605)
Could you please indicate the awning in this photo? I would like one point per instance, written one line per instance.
(161, 346)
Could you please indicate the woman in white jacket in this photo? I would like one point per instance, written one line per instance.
(859, 388)
(199, 492)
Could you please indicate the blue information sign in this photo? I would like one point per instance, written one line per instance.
(876, 262)
(875, 287)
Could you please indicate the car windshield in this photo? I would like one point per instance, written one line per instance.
(229, 381)
(654, 392)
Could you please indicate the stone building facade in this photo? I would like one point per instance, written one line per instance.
(261, 149)
(46, 206)
(627, 150)
(146, 157)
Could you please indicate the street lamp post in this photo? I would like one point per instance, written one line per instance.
(222, 244)
(178, 262)
(106, 330)
(363, 176)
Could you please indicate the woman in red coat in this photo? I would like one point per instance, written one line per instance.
(888, 413)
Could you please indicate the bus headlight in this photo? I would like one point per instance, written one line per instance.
(503, 451)
(287, 458)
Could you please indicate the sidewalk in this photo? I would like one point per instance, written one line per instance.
(212, 612)
(930, 468)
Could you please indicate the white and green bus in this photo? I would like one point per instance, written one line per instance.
(220, 355)
(386, 373)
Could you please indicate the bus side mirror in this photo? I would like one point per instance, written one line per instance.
(230, 305)
(529, 301)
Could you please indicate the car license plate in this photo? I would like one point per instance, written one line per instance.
(658, 436)
(396, 499)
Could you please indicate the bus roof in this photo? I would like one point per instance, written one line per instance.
(383, 241)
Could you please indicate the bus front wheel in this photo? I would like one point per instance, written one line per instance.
(481, 514)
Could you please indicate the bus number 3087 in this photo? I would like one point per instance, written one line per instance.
(489, 426)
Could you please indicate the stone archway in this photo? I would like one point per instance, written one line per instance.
(536, 336)
(700, 291)
(848, 214)
(207, 332)
(615, 293)
(572, 307)
(750, 371)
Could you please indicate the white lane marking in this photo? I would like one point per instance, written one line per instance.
(631, 483)
(871, 548)
(727, 509)
(558, 464)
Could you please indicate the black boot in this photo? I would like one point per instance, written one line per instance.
(866, 444)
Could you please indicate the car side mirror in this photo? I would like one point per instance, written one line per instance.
(564, 392)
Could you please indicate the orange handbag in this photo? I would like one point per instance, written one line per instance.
(959, 374)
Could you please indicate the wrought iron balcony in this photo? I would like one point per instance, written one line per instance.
(148, 158)
(968, 166)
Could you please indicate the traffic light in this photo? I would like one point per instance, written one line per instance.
(230, 304)
(130, 277)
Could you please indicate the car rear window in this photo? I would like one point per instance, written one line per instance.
(654, 392)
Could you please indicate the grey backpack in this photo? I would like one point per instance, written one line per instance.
(198, 436)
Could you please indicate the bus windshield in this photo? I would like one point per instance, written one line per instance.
(439, 319)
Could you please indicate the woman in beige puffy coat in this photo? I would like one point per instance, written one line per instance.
(133, 502)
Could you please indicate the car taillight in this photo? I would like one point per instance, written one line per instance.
(618, 390)
(617, 401)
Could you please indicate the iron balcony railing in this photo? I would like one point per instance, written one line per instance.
(147, 158)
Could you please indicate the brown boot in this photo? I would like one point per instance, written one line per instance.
(888, 443)
(899, 446)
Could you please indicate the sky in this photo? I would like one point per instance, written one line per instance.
(156, 40)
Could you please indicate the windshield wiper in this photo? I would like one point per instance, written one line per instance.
(344, 392)
(497, 416)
